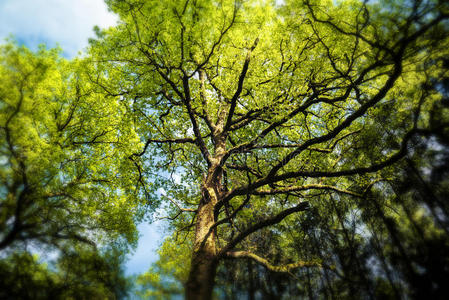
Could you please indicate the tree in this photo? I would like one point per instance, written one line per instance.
(66, 183)
(260, 109)
(81, 273)
(166, 277)
(62, 173)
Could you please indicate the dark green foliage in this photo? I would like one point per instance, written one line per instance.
(84, 274)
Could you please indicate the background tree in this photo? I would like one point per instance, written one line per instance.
(66, 183)
(263, 110)
(167, 276)
(78, 274)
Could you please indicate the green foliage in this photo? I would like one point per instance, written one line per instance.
(64, 172)
(167, 276)
(83, 274)
(158, 45)
(260, 107)
(67, 185)
(237, 116)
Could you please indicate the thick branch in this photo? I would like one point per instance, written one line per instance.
(196, 129)
(268, 265)
(303, 188)
(239, 86)
(204, 102)
(346, 123)
(314, 174)
(262, 224)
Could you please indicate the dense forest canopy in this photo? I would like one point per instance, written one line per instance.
(297, 148)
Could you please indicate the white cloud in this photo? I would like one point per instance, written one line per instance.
(66, 22)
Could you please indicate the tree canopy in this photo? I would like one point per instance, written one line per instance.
(264, 110)
(281, 134)
(65, 187)
(63, 176)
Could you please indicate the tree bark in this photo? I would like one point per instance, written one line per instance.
(201, 281)
(204, 260)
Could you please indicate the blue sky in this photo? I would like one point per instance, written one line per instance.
(69, 23)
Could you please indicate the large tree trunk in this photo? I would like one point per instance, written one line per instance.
(203, 267)
(204, 262)
(201, 277)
